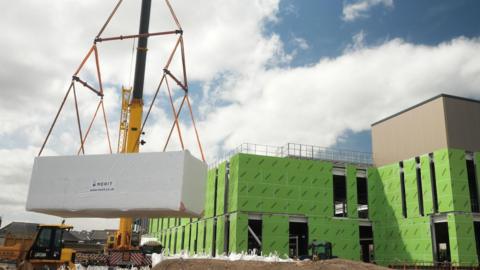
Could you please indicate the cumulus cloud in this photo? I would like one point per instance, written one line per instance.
(359, 9)
(317, 104)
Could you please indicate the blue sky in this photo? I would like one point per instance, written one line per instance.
(327, 34)
(418, 21)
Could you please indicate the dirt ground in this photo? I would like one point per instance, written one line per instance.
(207, 264)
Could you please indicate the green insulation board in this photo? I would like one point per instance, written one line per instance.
(165, 227)
(459, 174)
(201, 236)
(403, 241)
(452, 181)
(162, 238)
(220, 238)
(193, 238)
(238, 232)
(342, 233)
(352, 197)
(411, 188)
(209, 233)
(426, 184)
(178, 245)
(281, 185)
(210, 193)
(222, 171)
(167, 240)
(173, 240)
(461, 233)
(385, 193)
(375, 191)
(186, 241)
(233, 184)
(275, 233)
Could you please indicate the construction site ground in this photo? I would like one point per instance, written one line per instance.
(212, 264)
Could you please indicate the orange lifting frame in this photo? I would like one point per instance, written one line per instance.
(99, 92)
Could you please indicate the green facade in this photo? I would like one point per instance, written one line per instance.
(278, 189)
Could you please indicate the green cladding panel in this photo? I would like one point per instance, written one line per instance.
(173, 240)
(389, 195)
(403, 241)
(178, 245)
(375, 194)
(233, 184)
(193, 237)
(186, 241)
(220, 237)
(397, 239)
(462, 240)
(281, 185)
(411, 188)
(238, 233)
(222, 171)
(275, 233)
(210, 193)
(209, 232)
(167, 240)
(342, 233)
(201, 236)
(452, 181)
(459, 174)
(426, 184)
(352, 197)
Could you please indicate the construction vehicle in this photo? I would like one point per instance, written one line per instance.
(45, 252)
(321, 250)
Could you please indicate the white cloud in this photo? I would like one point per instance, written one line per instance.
(317, 104)
(358, 42)
(359, 8)
(301, 43)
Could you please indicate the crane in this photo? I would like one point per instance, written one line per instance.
(132, 120)
(130, 130)
(134, 114)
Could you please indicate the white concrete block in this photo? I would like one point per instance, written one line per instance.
(164, 184)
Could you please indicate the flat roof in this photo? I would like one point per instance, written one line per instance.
(424, 102)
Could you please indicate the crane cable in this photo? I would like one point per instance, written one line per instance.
(131, 62)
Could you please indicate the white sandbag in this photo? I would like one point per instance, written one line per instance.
(165, 184)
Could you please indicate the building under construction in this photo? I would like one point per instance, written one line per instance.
(414, 201)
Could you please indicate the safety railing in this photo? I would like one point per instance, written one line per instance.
(300, 151)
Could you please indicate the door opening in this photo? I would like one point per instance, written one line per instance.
(366, 243)
(298, 240)
(442, 242)
(254, 236)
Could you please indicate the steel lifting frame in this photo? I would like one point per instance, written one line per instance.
(181, 82)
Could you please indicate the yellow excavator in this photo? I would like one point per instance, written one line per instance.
(45, 253)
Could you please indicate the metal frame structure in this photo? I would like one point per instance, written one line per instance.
(301, 151)
(167, 75)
